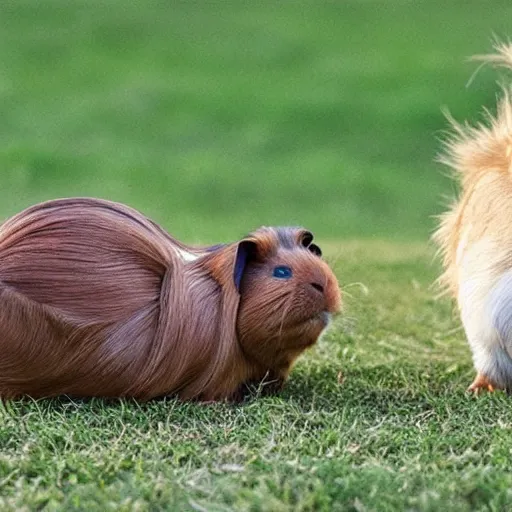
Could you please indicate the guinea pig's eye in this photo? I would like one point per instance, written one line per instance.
(282, 272)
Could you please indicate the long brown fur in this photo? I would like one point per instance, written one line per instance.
(97, 300)
(475, 235)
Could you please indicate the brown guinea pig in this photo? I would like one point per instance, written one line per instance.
(97, 300)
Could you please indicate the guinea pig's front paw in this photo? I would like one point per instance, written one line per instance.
(481, 383)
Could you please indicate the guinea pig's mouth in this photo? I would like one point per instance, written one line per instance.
(322, 318)
(325, 317)
(311, 329)
(317, 323)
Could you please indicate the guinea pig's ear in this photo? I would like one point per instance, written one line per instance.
(315, 249)
(305, 239)
(245, 251)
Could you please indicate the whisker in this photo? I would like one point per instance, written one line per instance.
(361, 286)
(285, 312)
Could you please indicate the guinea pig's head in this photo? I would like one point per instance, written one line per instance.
(287, 294)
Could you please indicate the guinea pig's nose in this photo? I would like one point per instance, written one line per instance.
(318, 287)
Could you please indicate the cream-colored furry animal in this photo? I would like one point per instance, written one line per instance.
(475, 237)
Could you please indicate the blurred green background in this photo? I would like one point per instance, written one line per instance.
(214, 117)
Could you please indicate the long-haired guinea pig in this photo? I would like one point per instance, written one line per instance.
(476, 238)
(97, 300)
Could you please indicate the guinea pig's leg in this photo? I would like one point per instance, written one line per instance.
(486, 313)
(481, 383)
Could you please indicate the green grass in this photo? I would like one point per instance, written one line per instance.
(214, 117)
(397, 433)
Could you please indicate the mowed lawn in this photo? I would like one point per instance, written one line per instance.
(217, 117)
(373, 418)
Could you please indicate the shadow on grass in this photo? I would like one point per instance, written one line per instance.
(373, 391)
(379, 388)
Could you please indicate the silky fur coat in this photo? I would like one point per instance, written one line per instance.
(98, 300)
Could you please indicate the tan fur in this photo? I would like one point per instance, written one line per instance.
(97, 300)
(475, 235)
(481, 156)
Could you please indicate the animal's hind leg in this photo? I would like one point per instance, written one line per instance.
(481, 383)
(487, 319)
(486, 313)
